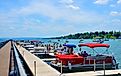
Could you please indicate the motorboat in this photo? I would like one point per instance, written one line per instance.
(98, 39)
(81, 40)
(28, 46)
(85, 60)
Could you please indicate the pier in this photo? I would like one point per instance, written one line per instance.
(36, 65)
(14, 56)
(5, 59)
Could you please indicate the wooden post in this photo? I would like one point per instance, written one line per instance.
(61, 67)
(104, 66)
(94, 65)
(34, 68)
(23, 54)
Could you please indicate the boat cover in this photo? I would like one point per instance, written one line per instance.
(93, 45)
(70, 45)
(73, 59)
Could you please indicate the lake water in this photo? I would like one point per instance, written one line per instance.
(115, 46)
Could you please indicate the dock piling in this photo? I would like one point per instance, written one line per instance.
(94, 65)
(34, 68)
(61, 67)
(104, 67)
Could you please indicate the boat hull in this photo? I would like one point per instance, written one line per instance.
(80, 67)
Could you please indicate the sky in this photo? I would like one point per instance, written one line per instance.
(51, 18)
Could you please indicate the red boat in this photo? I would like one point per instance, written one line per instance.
(85, 60)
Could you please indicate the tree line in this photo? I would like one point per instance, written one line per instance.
(91, 35)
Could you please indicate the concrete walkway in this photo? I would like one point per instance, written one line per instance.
(5, 59)
(42, 69)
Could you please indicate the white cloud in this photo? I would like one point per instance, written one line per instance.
(116, 21)
(73, 7)
(119, 1)
(55, 13)
(69, 4)
(115, 13)
(112, 5)
(101, 2)
(41, 8)
(67, 1)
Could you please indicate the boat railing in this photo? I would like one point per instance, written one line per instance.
(95, 64)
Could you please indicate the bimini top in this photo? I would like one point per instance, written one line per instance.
(93, 45)
(70, 45)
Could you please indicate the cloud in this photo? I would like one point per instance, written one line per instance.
(66, 1)
(116, 21)
(73, 7)
(112, 5)
(59, 12)
(69, 4)
(41, 8)
(101, 2)
(115, 13)
(119, 2)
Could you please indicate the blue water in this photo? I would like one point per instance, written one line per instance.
(115, 45)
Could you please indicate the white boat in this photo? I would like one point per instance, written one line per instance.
(29, 47)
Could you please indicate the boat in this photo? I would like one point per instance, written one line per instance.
(81, 40)
(106, 39)
(28, 46)
(98, 39)
(86, 61)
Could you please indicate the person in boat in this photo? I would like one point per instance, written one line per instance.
(70, 51)
(63, 50)
(80, 49)
(85, 54)
(80, 52)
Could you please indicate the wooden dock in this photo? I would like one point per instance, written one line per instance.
(36, 65)
(5, 59)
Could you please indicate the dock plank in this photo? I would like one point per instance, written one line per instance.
(5, 59)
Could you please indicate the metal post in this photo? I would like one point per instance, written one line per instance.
(69, 65)
(89, 60)
(61, 67)
(34, 68)
(94, 65)
(84, 60)
(104, 67)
